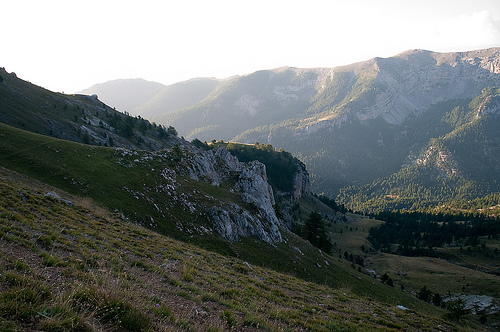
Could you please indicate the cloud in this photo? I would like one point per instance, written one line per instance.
(478, 30)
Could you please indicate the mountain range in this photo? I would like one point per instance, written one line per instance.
(112, 222)
(420, 114)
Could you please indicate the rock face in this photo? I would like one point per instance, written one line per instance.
(232, 221)
(301, 183)
(212, 166)
(416, 79)
(477, 303)
(489, 106)
(250, 212)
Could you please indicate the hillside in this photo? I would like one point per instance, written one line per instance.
(68, 265)
(90, 235)
(458, 163)
(364, 122)
(77, 118)
(177, 96)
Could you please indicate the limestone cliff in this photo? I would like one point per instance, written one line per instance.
(232, 221)
(404, 85)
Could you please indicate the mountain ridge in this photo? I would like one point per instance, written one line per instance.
(195, 192)
(132, 92)
(352, 124)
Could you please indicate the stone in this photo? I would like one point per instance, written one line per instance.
(54, 195)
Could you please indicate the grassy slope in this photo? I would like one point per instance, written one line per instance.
(101, 173)
(76, 118)
(79, 268)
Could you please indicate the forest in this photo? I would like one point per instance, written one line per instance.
(417, 233)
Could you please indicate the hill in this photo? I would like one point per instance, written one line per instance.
(458, 163)
(177, 96)
(77, 118)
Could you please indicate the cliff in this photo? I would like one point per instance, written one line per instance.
(249, 182)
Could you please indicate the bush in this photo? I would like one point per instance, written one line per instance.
(456, 310)
(425, 294)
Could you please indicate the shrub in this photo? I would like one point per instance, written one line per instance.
(456, 310)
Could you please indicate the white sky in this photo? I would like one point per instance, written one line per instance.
(69, 45)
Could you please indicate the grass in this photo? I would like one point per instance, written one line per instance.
(93, 284)
(146, 188)
(275, 285)
(470, 271)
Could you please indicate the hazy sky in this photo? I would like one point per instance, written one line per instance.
(69, 45)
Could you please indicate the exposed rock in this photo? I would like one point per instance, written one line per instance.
(212, 166)
(54, 195)
(228, 159)
(477, 303)
(301, 184)
(253, 183)
(232, 221)
(412, 81)
(489, 106)
(248, 104)
(441, 159)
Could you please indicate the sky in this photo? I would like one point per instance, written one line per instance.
(69, 45)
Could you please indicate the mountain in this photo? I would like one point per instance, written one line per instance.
(458, 162)
(160, 233)
(177, 96)
(147, 99)
(125, 94)
(84, 119)
(356, 124)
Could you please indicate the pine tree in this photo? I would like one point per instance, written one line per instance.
(315, 232)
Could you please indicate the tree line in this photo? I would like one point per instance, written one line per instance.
(418, 232)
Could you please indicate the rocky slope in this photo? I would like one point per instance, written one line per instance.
(231, 221)
(85, 119)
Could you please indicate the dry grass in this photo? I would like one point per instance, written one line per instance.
(95, 273)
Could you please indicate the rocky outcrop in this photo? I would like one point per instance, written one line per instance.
(441, 159)
(249, 213)
(301, 183)
(212, 166)
(490, 106)
(252, 182)
(476, 303)
(232, 221)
